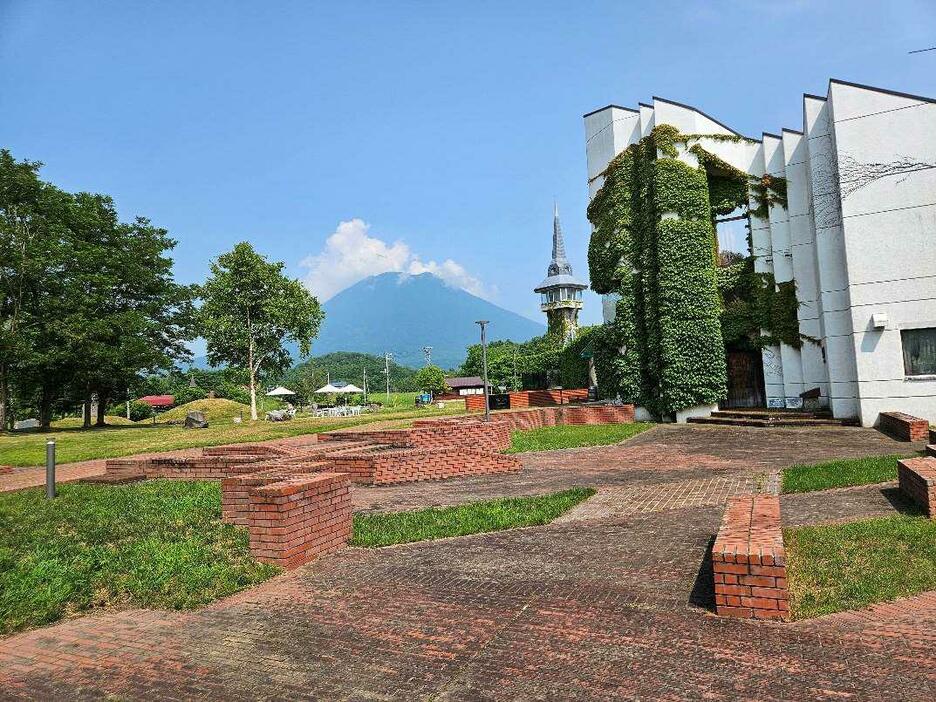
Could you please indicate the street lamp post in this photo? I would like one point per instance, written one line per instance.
(487, 399)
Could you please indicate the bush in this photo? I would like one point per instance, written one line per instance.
(230, 391)
(140, 411)
(188, 393)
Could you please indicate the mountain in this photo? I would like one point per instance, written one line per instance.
(403, 313)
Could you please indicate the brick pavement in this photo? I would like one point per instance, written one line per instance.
(614, 607)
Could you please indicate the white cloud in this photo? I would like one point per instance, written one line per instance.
(351, 254)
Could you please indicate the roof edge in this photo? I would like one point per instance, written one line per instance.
(608, 107)
(885, 91)
(696, 109)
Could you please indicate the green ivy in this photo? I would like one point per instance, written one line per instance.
(664, 348)
(678, 309)
(766, 191)
(758, 311)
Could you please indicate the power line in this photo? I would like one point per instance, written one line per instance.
(920, 51)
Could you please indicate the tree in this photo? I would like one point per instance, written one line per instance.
(250, 309)
(29, 212)
(86, 303)
(431, 378)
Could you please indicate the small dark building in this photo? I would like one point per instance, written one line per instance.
(469, 385)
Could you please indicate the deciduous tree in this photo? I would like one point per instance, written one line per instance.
(250, 309)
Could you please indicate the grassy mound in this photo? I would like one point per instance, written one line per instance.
(215, 410)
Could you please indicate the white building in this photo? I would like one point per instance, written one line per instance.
(858, 238)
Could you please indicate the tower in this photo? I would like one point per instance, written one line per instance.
(560, 292)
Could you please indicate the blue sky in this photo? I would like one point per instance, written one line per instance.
(438, 133)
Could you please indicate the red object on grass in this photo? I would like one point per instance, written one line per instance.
(158, 400)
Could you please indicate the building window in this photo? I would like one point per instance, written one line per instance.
(919, 351)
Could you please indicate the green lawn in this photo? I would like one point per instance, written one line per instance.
(849, 566)
(841, 473)
(158, 543)
(475, 518)
(572, 436)
(75, 444)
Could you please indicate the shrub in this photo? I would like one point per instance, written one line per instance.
(140, 411)
(188, 393)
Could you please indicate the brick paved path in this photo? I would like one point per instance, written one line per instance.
(610, 607)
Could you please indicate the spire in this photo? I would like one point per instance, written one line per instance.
(560, 264)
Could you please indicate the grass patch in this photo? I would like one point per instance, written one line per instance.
(158, 543)
(849, 566)
(573, 436)
(841, 473)
(475, 518)
(27, 448)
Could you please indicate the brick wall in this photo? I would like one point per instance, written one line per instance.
(531, 398)
(917, 478)
(523, 420)
(299, 518)
(433, 433)
(245, 450)
(204, 468)
(235, 490)
(749, 560)
(485, 436)
(903, 426)
(412, 465)
(4, 470)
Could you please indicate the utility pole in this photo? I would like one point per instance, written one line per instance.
(387, 357)
(365, 385)
(427, 352)
(128, 403)
(487, 399)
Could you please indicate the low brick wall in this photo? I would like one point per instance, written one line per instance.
(235, 490)
(205, 468)
(749, 560)
(531, 398)
(245, 450)
(433, 433)
(478, 435)
(917, 479)
(413, 465)
(5, 470)
(902, 426)
(523, 420)
(299, 518)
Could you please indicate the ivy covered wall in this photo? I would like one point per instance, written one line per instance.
(654, 244)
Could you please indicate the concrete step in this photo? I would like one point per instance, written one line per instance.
(759, 413)
(770, 421)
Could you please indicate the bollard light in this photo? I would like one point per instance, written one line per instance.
(50, 469)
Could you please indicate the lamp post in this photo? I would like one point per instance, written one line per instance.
(487, 399)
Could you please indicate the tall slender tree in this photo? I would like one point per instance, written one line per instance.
(250, 310)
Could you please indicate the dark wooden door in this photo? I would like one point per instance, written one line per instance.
(745, 380)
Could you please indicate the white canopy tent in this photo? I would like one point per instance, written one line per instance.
(339, 388)
(280, 392)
